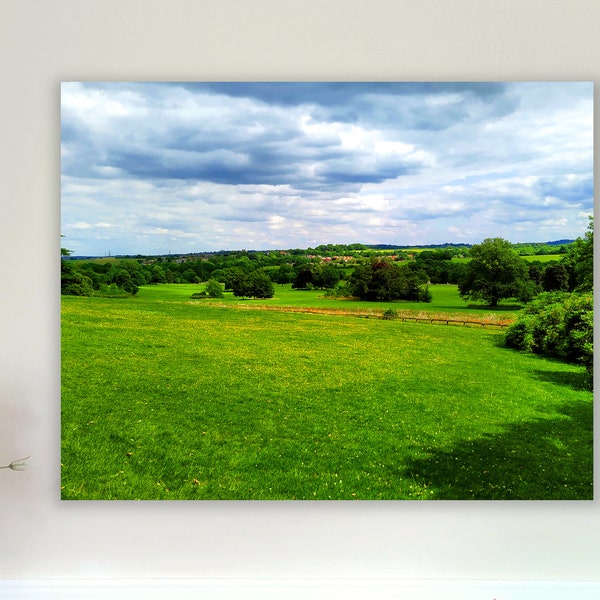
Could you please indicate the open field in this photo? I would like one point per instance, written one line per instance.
(529, 258)
(446, 301)
(167, 398)
(544, 258)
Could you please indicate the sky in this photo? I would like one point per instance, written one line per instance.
(159, 168)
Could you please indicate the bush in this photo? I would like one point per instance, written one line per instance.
(339, 291)
(111, 290)
(73, 282)
(390, 313)
(559, 325)
(425, 294)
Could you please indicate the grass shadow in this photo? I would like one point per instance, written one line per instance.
(576, 381)
(547, 459)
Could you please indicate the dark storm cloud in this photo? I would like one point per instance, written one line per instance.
(246, 145)
(330, 94)
(382, 104)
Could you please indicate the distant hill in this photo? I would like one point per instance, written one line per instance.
(453, 245)
(559, 242)
(349, 247)
(428, 246)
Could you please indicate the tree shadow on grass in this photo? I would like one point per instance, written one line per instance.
(576, 381)
(546, 459)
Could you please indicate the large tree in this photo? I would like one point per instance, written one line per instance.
(257, 284)
(580, 261)
(384, 280)
(495, 272)
(260, 284)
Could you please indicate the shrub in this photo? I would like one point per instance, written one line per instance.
(339, 291)
(425, 294)
(111, 290)
(559, 325)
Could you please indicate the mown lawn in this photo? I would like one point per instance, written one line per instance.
(166, 399)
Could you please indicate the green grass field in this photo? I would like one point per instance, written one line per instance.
(446, 301)
(529, 258)
(544, 258)
(167, 398)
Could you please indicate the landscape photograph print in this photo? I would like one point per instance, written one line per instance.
(326, 290)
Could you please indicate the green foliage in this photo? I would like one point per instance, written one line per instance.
(260, 285)
(556, 278)
(74, 282)
(214, 289)
(256, 285)
(559, 325)
(123, 279)
(340, 290)
(326, 277)
(285, 274)
(580, 261)
(158, 275)
(495, 272)
(114, 278)
(385, 280)
(111, 290)
(239, 285)
(439, 264)
(190, 276)
(303, 277)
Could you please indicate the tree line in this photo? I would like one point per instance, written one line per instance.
(489, 272)
(557, 319)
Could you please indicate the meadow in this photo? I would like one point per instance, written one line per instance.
(164, 397)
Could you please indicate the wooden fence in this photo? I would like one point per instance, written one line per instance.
(444, 321)
(433, 319)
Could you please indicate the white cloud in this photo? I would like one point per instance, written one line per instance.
(215, 167)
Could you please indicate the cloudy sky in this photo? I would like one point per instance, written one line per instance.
(156, 168)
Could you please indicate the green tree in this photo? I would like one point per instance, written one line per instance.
(304, 277)
(556, 278)
(214, 289)
(190, 276)
(158, 275)
(384, 280)
(123, 280)
(536, 273)
(260, 285)
(240, 285)
(73, 282)
(135, 270)
(495, 272)
(229, 276)
(326, 277)
(580, 261)
(285, 274)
